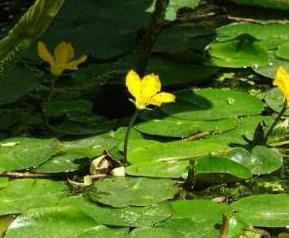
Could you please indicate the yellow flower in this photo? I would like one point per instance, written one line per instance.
(146, 91)
(282, 81)
(63, 58)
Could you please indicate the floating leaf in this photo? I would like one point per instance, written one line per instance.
(283, 51)
(21, 153)
(20, 195)
(89, 146)
(212, 104)
(171, 151)
(274, 99)
(3, 182)
(268, 210)
(272, 35)
(168, 169)
(64, 164)
(18, 83)
(128, 217)
(61, 222)
(126, 191)
(196, 218)
(103, 232)
(218, 169)
(262, 160)
(242, 51)
(269, 70)
(265, 160)
(245, 129)
(154, 233)
(232, 227)
(173, 127)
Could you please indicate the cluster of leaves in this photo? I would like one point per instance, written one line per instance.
(208, 146)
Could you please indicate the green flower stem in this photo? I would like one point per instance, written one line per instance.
(285, 105)
(51, 88)
(46, 101)
(125, 144)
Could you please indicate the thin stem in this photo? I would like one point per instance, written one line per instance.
(125, 143)
(46, 101)
(198, 136)
(23, 175)
(281, 143)
(51, 89)
(276, 121)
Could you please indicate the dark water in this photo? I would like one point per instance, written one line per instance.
(4, 11)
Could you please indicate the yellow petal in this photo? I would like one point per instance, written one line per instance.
(162, 97)
(133, 84)
(63, 53)
(282, 81)
(150, 85)
(73, 65)
(44, 53)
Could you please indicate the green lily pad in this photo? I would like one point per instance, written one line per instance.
(3, 182)
(265, 160)
(21, 153)
(12, 88)
(272, 35)
(61, 222)
(242, 51)
(103, 232)
(269, 70)
(212, 104)
(268, 210)
(154, 233)
(240, 156)
(173, 127)
(20, 195)
(218, 170)
(193, 209)
(177, 150)
(262, 160)
(90, 146)
(128, 217)
(64, 164)
(126, 191)
(168, 169)
(274, 99)
(283, 51)
(196, 218)
(245, 129)
(232, 227)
